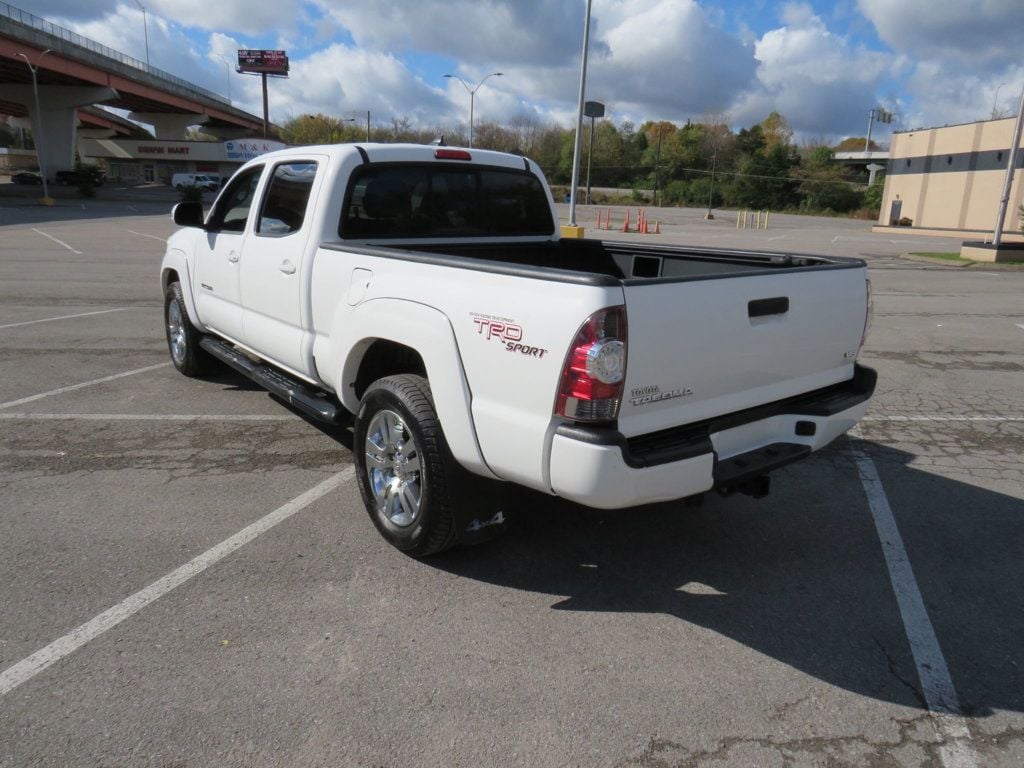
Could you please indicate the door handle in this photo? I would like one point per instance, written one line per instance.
(233, 257)
(287, 267)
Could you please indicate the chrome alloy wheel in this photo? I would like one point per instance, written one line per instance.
(393, 468)
(176, 332)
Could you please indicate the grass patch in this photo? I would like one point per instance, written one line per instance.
(955, 256)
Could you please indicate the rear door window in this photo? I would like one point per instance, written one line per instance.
(432, 200)
(233, 206)
(286, 199)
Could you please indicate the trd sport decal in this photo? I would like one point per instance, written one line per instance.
(506, 332)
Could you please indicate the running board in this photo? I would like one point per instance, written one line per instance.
(291, 391)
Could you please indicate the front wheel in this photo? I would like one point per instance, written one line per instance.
(183, 337)
(404, 466)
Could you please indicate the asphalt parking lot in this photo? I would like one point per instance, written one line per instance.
(188, 577)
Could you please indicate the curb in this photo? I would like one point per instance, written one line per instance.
(1006, 266)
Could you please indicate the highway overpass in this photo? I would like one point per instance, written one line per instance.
(78, 72)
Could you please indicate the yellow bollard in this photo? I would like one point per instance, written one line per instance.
(766, 219)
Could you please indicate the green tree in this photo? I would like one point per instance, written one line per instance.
(319, 129)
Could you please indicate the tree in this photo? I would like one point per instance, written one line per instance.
(777, 131)
(856, 144)
(319, 129)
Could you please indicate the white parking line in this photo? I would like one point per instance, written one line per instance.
(28, 668)
(936, 684)
(63, 317)
(143, 234)
(1020, 325)
(143, 417)
(73, 387)
(58, 242)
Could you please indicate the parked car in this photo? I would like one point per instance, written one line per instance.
(425, 293)
(26, 177)
(181, 180)
(82, 175)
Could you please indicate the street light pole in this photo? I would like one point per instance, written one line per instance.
(472, 96)
(1011, 167)
(578, 146)
(39, 120)
(145, 29)
(227, 61)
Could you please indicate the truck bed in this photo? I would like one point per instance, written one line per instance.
(623, 262)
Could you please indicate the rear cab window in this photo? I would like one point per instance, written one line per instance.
(408, 200)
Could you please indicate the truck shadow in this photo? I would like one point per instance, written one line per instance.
(799, 576)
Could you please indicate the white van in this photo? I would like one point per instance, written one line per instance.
(201, 180)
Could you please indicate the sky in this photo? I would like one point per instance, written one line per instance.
(823, 64)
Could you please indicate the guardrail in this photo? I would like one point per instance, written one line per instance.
(74, 40)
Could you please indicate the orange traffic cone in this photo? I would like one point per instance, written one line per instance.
(657, 227)
(625, 223)
(608, 219)
(598, 218)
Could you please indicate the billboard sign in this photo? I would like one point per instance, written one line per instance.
(271, 62)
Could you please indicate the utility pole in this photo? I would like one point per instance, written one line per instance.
(367, 126)
(711, 194)
(593, 110)
(228, 63)
(38, 140)
(657, 165)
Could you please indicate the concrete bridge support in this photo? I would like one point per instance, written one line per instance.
(59, 121)
(171, 126)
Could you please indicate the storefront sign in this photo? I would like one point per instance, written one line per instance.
(247, 150)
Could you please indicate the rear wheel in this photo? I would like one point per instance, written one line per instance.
(183, 337)
(404, 466)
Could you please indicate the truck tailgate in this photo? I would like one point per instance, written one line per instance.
(707, 347)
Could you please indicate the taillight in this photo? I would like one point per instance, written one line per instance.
(869, 313)
(595, 369)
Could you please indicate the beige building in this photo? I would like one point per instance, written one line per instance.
(948, 181)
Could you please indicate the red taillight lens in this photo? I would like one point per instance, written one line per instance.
(595, 369)
(452, 154)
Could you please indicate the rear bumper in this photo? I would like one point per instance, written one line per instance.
(602, 468)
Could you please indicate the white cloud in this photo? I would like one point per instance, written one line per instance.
(820, 81)
(958, 54)
(345, 80)
(983, 33)
(494, 31)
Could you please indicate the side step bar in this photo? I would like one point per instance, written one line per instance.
(291, 391)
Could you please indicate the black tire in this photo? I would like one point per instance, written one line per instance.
(432, 528)
(183, 337)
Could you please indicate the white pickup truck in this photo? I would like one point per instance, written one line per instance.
(425, 290)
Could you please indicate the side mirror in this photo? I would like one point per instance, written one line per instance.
(188, 214)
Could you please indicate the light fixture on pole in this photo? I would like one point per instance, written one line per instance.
(145, 29)
(227, 61)
(38, 140)
(578, 146)
(472, 96)
(995, 100)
